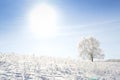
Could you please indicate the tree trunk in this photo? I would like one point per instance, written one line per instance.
(91, 56)
(92, 59)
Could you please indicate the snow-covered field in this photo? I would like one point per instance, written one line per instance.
(26, 67)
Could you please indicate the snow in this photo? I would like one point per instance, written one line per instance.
(24, 67)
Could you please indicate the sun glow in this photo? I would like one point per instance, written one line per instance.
(42, 21)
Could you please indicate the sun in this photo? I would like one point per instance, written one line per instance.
(43, 20)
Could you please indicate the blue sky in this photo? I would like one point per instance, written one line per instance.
(77, 18)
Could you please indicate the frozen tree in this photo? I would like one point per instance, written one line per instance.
(89, 48)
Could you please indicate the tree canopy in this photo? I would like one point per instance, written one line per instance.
(89, 48)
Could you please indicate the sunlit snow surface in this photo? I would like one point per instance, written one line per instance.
(21, 67)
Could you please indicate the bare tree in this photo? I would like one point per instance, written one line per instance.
(89, 47)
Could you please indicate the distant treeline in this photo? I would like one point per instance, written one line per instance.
(113, 60)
